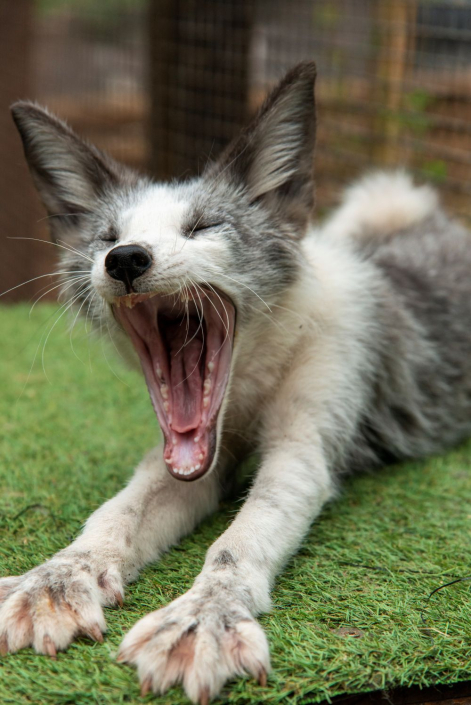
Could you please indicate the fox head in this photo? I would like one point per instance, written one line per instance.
(173, 270)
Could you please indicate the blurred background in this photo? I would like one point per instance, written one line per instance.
(163, 85)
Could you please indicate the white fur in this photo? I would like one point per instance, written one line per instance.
(380, 204)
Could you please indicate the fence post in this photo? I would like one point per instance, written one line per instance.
(396, 30)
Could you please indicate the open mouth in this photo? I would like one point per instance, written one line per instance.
(185, 348)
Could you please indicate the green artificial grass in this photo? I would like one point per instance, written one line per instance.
(70, 440)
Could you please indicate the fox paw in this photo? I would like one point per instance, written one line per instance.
(200, 640)
(52, 604)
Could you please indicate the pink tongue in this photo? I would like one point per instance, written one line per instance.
(185, 375)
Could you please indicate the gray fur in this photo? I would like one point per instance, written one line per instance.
(420, 400)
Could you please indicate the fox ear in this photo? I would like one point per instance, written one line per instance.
(273, 157)
(70, 175)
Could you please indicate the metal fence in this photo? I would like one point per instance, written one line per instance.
(164, 84)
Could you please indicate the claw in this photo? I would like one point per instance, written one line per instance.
(49, 647)
(120, 658)
(146, 686)
(262, 678)
(95, 633)
(119, 598)
(3, 645)
(204, 697)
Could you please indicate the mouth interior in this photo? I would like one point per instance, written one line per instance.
(184, 341)
(185, 349)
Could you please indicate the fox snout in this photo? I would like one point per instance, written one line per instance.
(127, 262)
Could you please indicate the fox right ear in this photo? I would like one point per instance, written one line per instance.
(273, 158)
(70, 174)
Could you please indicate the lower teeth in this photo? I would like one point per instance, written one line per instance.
(188, 471)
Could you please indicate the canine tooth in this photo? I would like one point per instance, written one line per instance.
(196, 439)
(164, 391)
(205, 402)
(207, 385)
(210, 366)
(201, 456)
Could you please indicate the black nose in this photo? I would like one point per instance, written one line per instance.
(127, 263)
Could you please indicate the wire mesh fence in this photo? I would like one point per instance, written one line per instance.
(164, 84)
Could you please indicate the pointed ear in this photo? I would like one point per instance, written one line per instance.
(70, 175)
(274, 156)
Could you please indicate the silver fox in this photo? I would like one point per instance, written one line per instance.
(327, 350)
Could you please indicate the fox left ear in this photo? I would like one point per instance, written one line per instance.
(274, 156)
(70, 174)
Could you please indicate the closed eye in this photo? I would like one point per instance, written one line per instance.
(200, 227)
(110, 236)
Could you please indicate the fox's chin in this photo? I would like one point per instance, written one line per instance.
(185, 348)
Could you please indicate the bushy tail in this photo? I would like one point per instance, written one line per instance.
(380, 204)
